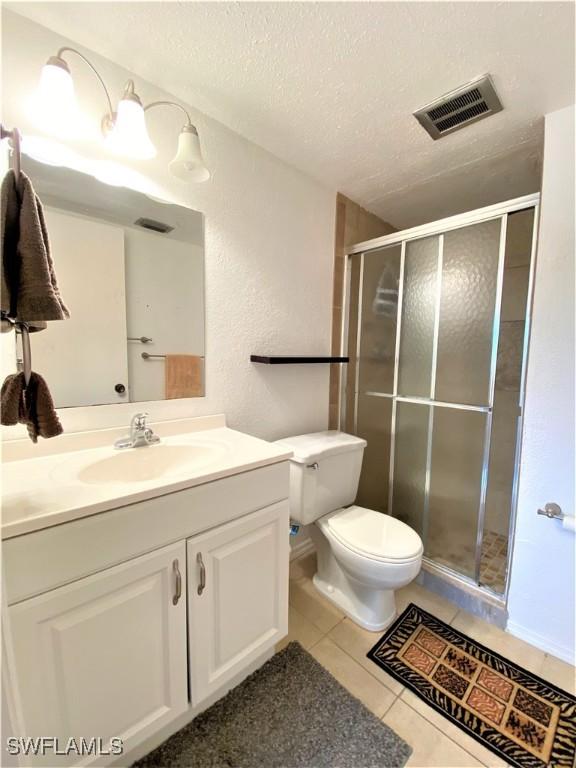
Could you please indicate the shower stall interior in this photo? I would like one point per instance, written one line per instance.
(436, 329)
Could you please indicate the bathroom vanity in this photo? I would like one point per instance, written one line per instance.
(139, 585)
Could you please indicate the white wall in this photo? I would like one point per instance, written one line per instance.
(269, 249)
(83, 358)
(542, 595)
(164, 301)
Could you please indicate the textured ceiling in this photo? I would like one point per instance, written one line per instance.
(330, 87)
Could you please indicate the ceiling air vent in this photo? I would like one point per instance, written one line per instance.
(473, 101)
(155, 226)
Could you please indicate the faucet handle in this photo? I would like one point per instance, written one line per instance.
(139, 420)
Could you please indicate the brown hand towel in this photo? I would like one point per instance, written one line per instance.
(29, 286)
(183, 376)
(31, 405)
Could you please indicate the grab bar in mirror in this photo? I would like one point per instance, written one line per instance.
(147, 356)
(141, 339)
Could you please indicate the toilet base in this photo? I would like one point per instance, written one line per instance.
(375, 617)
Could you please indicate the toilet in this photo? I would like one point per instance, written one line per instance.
(363, 555)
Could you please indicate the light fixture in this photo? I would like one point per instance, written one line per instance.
(54, 105)
(188, 164)
(124, 129)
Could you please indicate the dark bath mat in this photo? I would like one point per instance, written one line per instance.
(520, 717)
(290, 713)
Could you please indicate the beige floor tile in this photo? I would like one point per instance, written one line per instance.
(313, 606)
(300, 629)
(375, 696)
(429, 601)
(431, 747)
(484, 755)
(502, 642)
(357, 642)
(303, 567)
(559, 673)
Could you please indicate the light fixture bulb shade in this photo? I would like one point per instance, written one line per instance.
(53, 105)
(129, 136)
(56, 87)
(188, 164)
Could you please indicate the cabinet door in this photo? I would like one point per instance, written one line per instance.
(106, 655)
(237, 596)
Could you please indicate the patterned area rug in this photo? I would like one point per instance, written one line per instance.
(520, 717)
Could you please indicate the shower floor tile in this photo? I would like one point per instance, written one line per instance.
(493, 561)
(457, 552)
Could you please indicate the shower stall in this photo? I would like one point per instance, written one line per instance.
(436, 328)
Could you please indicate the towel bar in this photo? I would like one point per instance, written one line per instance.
(147, 356)
(141, 339)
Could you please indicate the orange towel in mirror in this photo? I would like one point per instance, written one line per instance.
(184, 376)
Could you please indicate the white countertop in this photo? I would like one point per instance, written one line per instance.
(57, 487)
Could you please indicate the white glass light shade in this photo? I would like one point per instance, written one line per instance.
(188, 164)
(129, 136)
(56, 87)
(53, 106)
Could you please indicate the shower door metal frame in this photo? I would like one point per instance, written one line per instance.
(440, 228)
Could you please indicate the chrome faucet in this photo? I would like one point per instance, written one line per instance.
(140, 434)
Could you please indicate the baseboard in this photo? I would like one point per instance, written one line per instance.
(301, 548)
(543, 643)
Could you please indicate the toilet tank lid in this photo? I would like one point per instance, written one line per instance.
(316, 446)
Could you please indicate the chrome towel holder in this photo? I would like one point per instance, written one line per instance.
(552, 511)
(20, 327)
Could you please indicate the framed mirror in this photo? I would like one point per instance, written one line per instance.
(131, 271)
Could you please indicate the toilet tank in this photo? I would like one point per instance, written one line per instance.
(324, 473)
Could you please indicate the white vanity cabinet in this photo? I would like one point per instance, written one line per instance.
(105, 656)
(237, 596)
(128, 621)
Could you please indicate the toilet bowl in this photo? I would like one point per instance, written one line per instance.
(363, 555)
(367, 556)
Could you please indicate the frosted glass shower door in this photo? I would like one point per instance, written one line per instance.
(419, 299)
(426, 326)
(436, 337)
(467, 308)
(377, 313)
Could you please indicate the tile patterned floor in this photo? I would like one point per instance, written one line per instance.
(493, 561)
(341, 647)
(455, 549)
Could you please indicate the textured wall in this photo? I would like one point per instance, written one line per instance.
(542, 584)
(269, 247)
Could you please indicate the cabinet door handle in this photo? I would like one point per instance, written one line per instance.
(178, 591)
(202, 573)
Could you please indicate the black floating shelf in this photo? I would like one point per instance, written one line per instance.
(295, 359)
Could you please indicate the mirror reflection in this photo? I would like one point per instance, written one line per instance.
(132, 271)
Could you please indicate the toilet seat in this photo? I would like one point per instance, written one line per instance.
(373, 535)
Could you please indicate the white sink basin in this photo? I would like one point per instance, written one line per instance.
(139, 465)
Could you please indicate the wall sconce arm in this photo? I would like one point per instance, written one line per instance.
(92, 67)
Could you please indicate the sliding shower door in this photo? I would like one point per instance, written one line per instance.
(431, 350)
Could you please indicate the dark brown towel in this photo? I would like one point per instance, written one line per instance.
(29, 289)
(31, 405)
